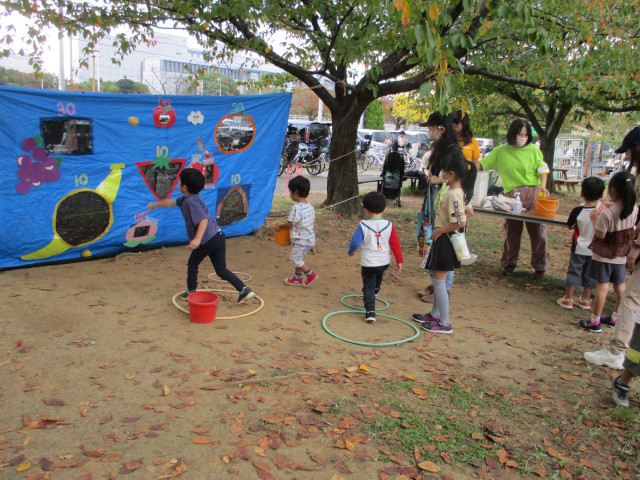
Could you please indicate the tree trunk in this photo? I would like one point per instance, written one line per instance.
(342, 181)
(548, 148)
(556, 115)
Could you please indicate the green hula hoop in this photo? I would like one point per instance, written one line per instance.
(368, 344)
(358, 309)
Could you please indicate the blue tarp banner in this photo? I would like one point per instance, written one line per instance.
(82, 167)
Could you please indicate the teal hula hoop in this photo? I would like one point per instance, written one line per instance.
(368, 344)
(358, 309)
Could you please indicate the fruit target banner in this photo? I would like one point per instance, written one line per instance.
(80, 168)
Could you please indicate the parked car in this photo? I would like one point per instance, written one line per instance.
(486, 145)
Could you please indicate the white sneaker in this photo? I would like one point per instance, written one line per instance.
(605, 357)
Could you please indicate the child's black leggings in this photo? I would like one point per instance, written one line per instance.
(215, 249)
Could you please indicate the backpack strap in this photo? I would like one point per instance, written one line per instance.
(377, 233)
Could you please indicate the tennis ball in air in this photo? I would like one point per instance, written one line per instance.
(134, 121)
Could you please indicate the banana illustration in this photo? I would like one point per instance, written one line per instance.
(82, 216)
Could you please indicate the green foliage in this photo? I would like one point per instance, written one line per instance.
(214, 83)
(374, 116)
(121, 86)
(9, 76)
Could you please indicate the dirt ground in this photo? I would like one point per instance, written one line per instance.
(103, 377)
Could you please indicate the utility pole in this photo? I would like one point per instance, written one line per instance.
(63, 82)
(93, 77)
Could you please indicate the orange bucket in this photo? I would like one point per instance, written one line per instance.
(203, 306)
(282, 236)
(546, 207)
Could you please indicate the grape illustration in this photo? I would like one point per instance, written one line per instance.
(34, 172)
(39, 153)
(29, 144)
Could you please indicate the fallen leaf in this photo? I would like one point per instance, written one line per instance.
(201, 440)
(429, 466)
(23, 467)
(588, 463)
(281, 460)
(95, 452)
(53, 402)
(264, 466)
(554, 453)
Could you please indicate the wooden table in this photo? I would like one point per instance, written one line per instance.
(570, 183)
(557, 220)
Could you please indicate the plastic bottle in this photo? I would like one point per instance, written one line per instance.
(517, 207)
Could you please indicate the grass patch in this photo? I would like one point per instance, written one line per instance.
(436, 427)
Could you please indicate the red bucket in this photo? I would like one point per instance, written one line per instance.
(203, 306)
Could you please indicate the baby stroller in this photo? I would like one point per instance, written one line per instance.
(392, 175)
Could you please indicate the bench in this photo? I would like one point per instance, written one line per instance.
(570, 183)
(378, 182)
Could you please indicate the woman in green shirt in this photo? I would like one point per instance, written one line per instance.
(523, 171)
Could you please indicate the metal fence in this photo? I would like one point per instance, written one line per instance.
(570, 154)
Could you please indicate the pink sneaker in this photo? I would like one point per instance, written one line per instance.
(293, 281)
(568, 304)
(584, 304)
(310, 278)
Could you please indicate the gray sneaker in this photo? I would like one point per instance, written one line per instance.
(245, 294)
(620, 394)
(184, 295)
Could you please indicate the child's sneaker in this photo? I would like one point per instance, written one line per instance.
(565, 303)
(370, 317)
(184, 295)
(426, 317)
(609, 321)
(437, 327)
(310, 278)
(620, 394)
(591, 326)
(296, 282)
(583, 304)
(245, 294)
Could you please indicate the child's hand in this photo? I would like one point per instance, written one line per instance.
(193, 244)
(399, 268)
(352, 254)
(435, 234)
(151, 206)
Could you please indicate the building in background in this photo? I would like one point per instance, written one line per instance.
(164, 66)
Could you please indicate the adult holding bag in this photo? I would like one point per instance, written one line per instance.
(523, 170)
